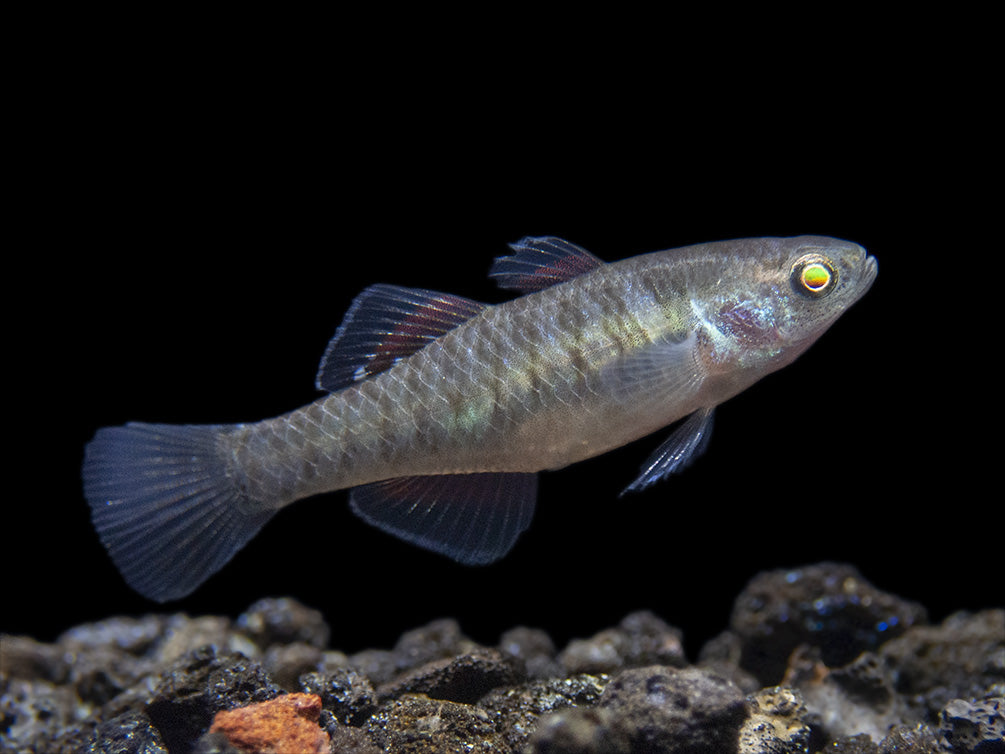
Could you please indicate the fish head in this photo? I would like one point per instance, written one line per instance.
(777, 296)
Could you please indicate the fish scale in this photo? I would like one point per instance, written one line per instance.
(440, 411)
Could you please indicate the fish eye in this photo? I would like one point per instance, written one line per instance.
(813, 275)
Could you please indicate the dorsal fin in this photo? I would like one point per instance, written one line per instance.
(384, 324)
(540, 263)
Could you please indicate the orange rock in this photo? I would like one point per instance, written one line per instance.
(285, 725)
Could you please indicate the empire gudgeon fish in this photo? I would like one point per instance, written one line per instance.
(440, 411)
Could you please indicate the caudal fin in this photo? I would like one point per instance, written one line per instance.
(164, 507)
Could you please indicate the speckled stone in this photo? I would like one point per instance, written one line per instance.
(652, 709)
(153, 684)
(776, 723)
(348, 695)
(829, 606)
(974, 727)
(465, 678)
(419, 725)
(284, 621)
(641, 638)
(199, 685)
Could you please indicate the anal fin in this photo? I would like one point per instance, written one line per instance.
(472, 518)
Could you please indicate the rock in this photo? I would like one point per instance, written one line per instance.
(287, 724)
(419, 725)
(974, 727)
(829, 606)
(856, 698)
(284, 621)
(438, 640)
(640, 639)
(580, 731)
(35, 714)
(199, 685)
(183, 635)
(918, 739)
(132, 733)
(349, 696)
(518, 709)
(285, 663)
(675, 710)
(534, 649)
(962, 658)
(659, 709)
(154, 684)
(776, 724)
(465, 678)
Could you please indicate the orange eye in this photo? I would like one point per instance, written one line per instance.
(813, 275)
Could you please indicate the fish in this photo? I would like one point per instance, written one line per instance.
(439, 412)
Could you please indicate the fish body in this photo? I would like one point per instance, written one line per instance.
(440, 411)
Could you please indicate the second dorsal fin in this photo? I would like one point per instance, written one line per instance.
(540, 263)
(387, 323)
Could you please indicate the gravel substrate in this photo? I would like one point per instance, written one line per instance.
(814, 659)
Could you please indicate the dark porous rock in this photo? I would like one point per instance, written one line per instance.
(285, 663)
(183, 635)
(901, 740)
(199, 685)
(658, 709)
(534, 649)
(465, 678)
(216, 743)
(438, 640)
(586, 730)
(776, 723)
(35, 715)
(856, 698)
(419, 725)
(919, 739)
(815, 661)
(23, 657)
(829, 606)
(961, 658)
(640, 639)
(284, 621)
(131, 733)
(517, 709)
(974, 727)
(349, 696)
(347, 740)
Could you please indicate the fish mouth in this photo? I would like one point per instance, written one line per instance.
(870, 268)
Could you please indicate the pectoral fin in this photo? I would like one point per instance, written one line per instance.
(472, 518)
(687, 442)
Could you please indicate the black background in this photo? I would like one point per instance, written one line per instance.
(195, 235)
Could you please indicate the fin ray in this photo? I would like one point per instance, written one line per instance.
(685, 444)
(541, 262)
(386, 323)
(473, 518)
(164, 507)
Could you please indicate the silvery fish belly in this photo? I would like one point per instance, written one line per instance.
(439, 411)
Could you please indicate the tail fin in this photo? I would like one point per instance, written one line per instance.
(164, 506)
